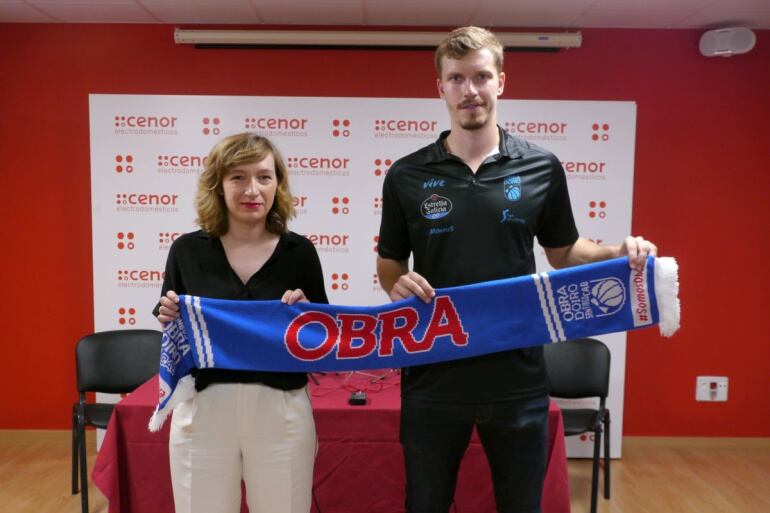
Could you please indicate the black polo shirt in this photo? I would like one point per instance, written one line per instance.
(197, 265)
(463, 228)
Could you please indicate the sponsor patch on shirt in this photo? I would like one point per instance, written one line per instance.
(435, 207)
(512, 188)
(509, 217)
(433, 183)
(439, 230)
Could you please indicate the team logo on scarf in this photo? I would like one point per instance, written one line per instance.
(608, 295)
(589, 299)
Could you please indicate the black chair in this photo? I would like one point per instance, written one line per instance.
(110, 362)
(580, 369)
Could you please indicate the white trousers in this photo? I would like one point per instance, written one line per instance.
(229, 432)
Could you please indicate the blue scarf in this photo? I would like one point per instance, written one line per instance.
(460, 322)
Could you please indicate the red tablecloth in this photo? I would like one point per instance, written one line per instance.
(359, 467)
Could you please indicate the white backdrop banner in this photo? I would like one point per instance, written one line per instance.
(147, 152)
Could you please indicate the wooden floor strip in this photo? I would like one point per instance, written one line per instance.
(681, 475)
(656, 475)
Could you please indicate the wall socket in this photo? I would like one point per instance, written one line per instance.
(711, 388)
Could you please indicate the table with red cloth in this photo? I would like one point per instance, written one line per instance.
(358, 469)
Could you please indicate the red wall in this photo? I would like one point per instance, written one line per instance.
(701, 191)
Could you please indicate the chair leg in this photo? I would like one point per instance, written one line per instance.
(83, 466)
(75, 447)
(595, 472)
(607, 455)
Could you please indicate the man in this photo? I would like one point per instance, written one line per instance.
(468, 208)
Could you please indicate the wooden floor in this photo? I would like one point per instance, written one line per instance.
(656, 475)
(681, 475)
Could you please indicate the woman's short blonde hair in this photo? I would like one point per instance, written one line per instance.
(458, 43)
(232, 151)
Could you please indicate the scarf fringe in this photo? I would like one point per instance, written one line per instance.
(667, 294)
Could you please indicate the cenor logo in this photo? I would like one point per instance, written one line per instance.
(341, 128)
(211, 126)
(126, 240)
(135, 198)
(340, 281)
(263, 123)
(597, 209)
(140, 278)
(124, 163)
(146, 202)
(177, 161)
(317, 163)
(126, 316)
(318, 166)
(300, 204)
(404, 125)
(166, 238)
(537, 130)
(330, 243)
(145, 121)
(580, 167)
(376, 287)
(340, 205)
(410, 128)
(535, 127)
(600, 132)
(382, 166)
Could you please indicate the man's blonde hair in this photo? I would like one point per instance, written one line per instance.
(458, 43)
(232, 151)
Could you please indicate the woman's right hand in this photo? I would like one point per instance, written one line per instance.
(169, 307)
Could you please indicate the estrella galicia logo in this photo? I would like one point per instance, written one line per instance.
(608, 295)
(512, 188)
(433, 183)
(435, 207)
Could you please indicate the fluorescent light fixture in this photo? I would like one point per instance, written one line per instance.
(345, 38)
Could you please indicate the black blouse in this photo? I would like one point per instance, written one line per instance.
(197, 265)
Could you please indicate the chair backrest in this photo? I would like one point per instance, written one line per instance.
(578, 368)
(117, 361)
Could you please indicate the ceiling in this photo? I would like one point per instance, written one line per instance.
(675, 14)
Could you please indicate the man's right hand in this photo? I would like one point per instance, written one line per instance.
(412, 284)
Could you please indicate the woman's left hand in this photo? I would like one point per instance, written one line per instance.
(292, 296)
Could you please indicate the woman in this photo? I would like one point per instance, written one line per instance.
(255, 426)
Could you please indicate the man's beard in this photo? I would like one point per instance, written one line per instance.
(474, 122)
